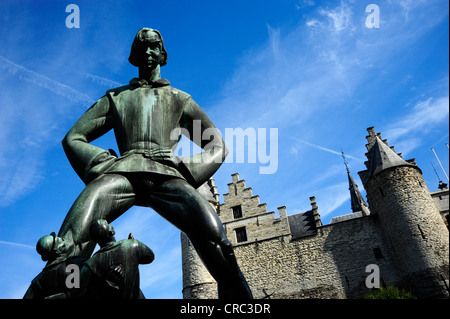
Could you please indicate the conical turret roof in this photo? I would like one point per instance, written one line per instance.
(357, 201)
(383, 157)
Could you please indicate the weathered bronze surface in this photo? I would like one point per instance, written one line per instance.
(113, 271)
(148, 117)
(50, 283)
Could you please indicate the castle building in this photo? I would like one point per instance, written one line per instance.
(403, 230)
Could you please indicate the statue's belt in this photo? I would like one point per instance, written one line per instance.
(156, 161)
(153, 153)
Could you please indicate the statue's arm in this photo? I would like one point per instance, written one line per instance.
(92, 124)
(146, 255)
(203, 165)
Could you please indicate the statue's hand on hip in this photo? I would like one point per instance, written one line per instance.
(165, 156)
(100, 166)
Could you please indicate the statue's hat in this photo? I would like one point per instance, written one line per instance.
(46, 246)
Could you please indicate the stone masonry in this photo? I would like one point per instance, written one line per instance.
(295, 256)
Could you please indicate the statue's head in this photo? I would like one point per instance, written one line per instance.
(51, 247)
(101, 232)
(148, 49)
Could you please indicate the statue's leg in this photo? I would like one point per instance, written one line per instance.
(106, 197)
(187, 209)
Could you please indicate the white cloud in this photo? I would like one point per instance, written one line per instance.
(426, 113)
(304, 4)
(340, 17)
(27, 127)
(44, 81)
(28, 123)
(274, 39)
(316, 73)
(18, 178)
(331, 198)
(314, 23)
(318, 93)
(408, 5)
(422, 119)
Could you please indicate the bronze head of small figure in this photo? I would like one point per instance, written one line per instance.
(102, 233)
(52, 247)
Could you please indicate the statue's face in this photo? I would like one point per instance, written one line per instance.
(106, 231)
(150, 47)
(62, 246)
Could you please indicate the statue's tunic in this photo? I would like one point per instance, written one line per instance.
(145, 118)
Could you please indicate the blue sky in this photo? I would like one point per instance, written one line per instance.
(310, 69)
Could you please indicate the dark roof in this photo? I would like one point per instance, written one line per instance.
(383, 157)
(302, 224)
(357, 201)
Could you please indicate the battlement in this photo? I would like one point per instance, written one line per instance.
(295, 256)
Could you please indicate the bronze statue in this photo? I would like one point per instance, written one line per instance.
(50, 283)
(113, 271)
(148, 116)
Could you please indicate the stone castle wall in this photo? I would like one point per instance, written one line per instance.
(416, 231)
(331, 264)
(296, 256)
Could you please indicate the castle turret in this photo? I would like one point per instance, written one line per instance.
(412, 225)
(197, 281)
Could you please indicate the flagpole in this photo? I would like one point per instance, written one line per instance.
(440, 162)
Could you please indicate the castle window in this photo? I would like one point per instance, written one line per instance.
(418, 181)
(421, 232)
(237, 211)
(381, 191)
(377, 252)
(241, 234)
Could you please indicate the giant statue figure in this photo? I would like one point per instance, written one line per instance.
(148, 117)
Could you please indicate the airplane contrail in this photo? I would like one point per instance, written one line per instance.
(322, 148)
(16, 244)
(44, 81)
